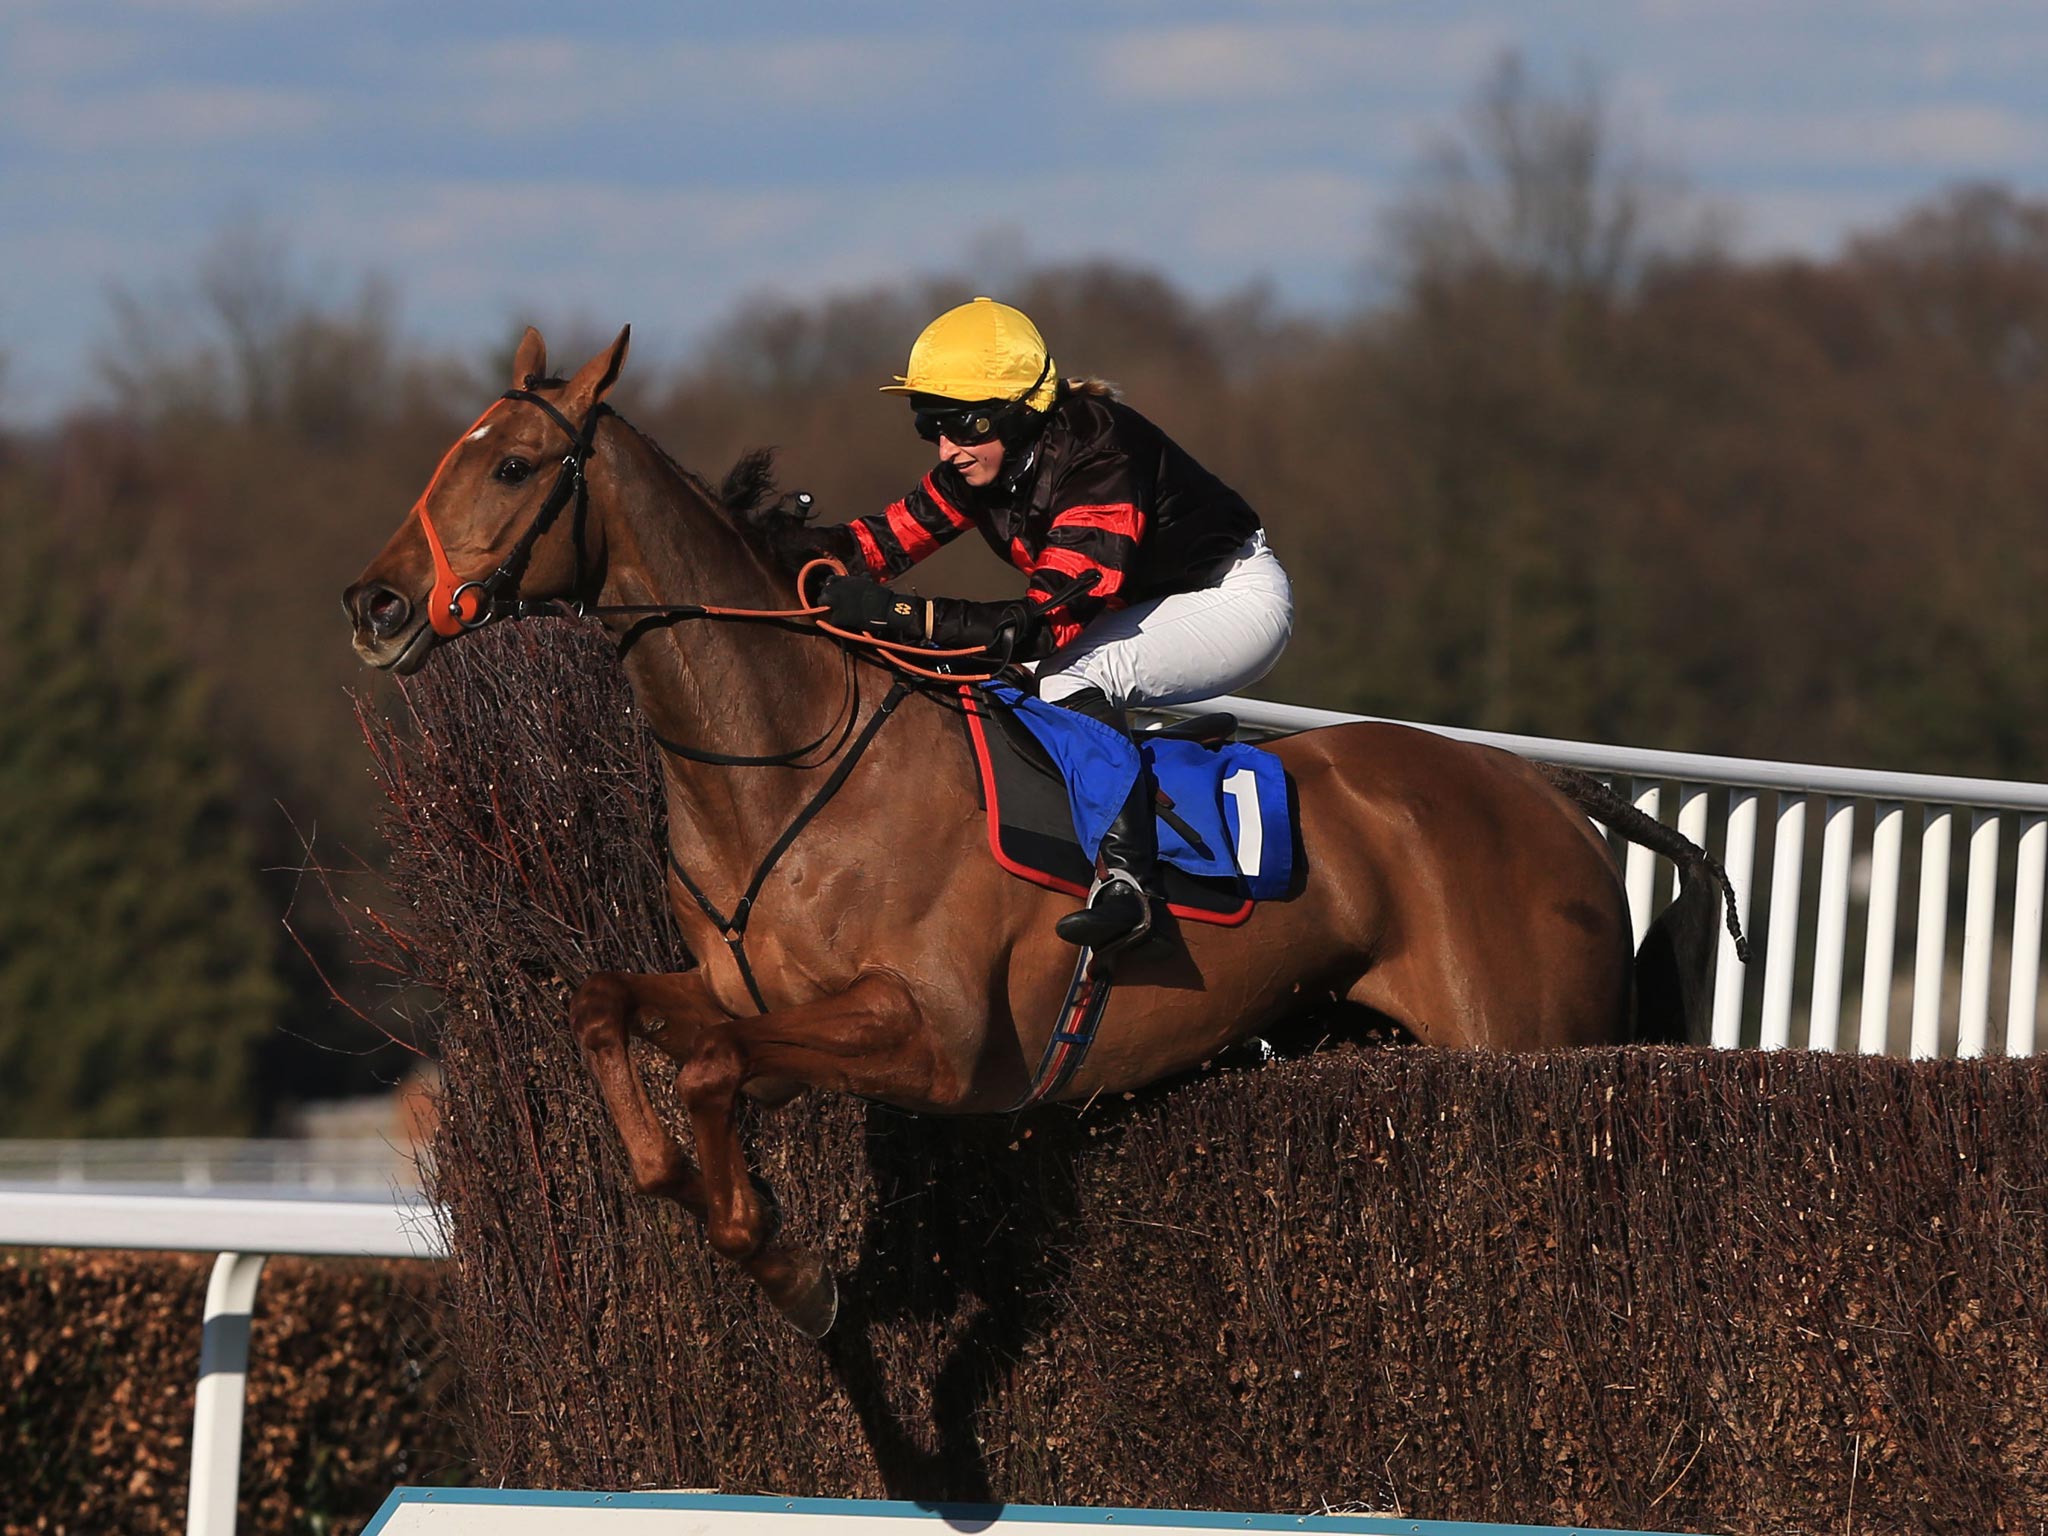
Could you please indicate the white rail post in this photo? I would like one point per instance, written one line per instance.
(1692, 813)
(1882, 931)
(1831, 926)
(2025, 992)
(1740, 863)
(217, 1406)
(1973, 1019)
(1781, 950)
(1930, 946)
(1641, 878)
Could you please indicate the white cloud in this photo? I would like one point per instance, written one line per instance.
(1960, 138)
(1252, 222)
(460, 224)
(1807, 221)
(47, 245)
(530, 63)
(217, 8)
(1967, 136)
(840, 69)
(559, 82)
(43, 54)
(166, 117)
(1247, 62)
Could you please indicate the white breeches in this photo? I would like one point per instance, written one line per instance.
(1186, 645)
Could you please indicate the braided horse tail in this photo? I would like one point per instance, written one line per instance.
(1674, 970)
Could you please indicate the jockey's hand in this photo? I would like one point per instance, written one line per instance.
(869, 608)
(1011, 630)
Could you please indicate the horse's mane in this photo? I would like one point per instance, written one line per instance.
(747, 492)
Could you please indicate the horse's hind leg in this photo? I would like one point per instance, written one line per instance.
(867, 1039)
(607, 1010)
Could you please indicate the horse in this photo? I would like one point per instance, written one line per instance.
(1457, 891)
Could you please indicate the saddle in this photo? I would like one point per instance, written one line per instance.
(1031, 821)
(1210, 730)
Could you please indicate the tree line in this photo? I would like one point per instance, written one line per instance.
(1574, 469)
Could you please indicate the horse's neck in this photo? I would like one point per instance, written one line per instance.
(731, 686)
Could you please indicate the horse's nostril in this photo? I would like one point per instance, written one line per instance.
(386, 610)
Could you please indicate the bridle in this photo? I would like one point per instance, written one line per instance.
(456, 606)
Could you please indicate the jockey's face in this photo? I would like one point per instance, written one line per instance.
(978, 465)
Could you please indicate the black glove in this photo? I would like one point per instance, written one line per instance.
(1013, 630)
(867, 607)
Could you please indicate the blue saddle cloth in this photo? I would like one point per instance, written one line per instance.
(1232, 813)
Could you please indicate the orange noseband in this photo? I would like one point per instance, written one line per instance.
(454, 605)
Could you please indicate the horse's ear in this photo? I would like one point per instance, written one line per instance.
(599, 374)
(530, 362)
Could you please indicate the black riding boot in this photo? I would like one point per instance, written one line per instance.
(1119, 914)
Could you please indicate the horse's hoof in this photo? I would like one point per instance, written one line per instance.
(811, 1302)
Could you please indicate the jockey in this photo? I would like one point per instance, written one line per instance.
(1149, 578)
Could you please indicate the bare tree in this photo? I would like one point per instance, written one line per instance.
(245, 282)
(1550, 186)
(249, 339)
(1963, 272)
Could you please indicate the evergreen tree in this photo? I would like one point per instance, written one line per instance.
(137, 976)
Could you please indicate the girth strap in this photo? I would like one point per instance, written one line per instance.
(1073, 1031)
(733, 929)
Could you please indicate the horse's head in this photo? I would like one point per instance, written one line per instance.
(501, 519)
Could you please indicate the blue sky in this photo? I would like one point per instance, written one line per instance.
(657, 162)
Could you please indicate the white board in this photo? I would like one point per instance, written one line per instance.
(521, 1512)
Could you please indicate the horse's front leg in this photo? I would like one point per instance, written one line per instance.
(668, 1010)
(870, 1040)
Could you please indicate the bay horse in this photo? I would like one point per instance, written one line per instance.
(1458, 891)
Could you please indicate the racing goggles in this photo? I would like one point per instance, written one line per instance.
(970, 425)
(967, 425)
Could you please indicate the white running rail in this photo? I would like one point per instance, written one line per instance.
(354, 1166)
(244, 1233)
(1857, 822)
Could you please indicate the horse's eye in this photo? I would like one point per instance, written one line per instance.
(512, 471)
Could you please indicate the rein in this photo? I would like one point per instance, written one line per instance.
(456, 606)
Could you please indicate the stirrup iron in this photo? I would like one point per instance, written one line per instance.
(1136, 934)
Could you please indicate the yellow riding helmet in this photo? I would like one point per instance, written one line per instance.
(981, 351)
